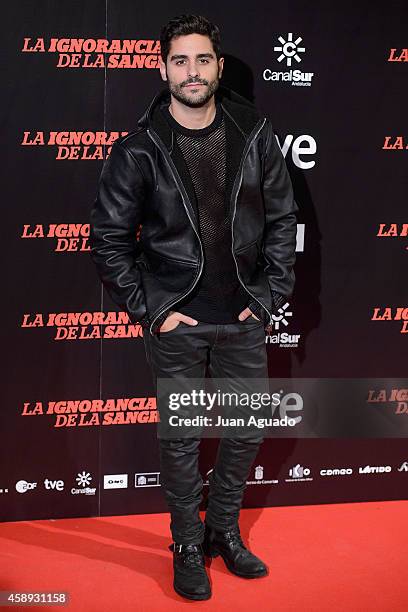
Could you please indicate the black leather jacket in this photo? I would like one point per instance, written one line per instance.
(140, 186)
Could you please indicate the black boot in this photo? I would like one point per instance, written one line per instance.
(190, 575)
(238, 559)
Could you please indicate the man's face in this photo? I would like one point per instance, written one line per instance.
(192, 69)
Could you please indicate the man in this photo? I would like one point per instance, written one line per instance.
(205, 178)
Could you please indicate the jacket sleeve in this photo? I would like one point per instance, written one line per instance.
(115, 217)
(279, 245)
(278, 300)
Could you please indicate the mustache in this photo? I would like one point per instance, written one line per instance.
(196, 81)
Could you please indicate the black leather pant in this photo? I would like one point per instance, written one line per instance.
(234, 350)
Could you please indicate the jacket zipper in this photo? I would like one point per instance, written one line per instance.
(178, 182)
(269, 327)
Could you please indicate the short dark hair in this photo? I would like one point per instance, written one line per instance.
(189, 24)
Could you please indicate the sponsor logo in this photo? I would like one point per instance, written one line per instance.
(403, 467)
(289, 49)
(54, 485)
(115, 481)
(298, 473)
(283, 339)
(147, 479)
(83, 479)
(259, 477)
(22, 486)
(283, 317)
(336, 471)
(290, 53)
(374, 469)
(259, 472)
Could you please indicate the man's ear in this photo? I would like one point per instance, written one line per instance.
(163, 69)
(220, 66)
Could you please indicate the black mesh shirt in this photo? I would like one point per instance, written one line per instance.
(218, 296)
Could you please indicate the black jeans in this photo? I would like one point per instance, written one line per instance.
(234, 350)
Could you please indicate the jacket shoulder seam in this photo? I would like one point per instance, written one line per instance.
(133, 133)
(133, 157)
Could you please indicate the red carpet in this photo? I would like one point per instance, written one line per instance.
(343, 557)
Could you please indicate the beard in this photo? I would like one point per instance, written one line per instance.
(200, 99)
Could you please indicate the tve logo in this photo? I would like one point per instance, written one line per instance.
(54, 485)
(115, 481)
(299, 148)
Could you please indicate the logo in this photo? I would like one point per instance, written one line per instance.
(280, 319)
(259, 472)
(289, 52)
(259, 477)
(54, 485)
(374, 469)
(403, 467)
(289, 49)
(83, 479)
(283, 339)
(22, 486)
(336, 472)
(115, 481)
(147, 479)
(298, 473)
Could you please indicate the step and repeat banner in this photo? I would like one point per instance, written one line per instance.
(79, 417)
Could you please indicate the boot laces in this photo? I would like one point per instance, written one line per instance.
(234, 538)
(191, 556)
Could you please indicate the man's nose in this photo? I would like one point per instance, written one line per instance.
(193, 71)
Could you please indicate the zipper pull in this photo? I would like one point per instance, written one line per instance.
(269, 327)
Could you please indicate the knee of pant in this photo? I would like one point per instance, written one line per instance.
(254, 441)
(173, 443)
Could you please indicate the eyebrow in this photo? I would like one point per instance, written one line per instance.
(199, 55)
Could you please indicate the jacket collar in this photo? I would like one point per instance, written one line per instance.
(240, 110)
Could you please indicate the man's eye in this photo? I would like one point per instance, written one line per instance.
(203, 59)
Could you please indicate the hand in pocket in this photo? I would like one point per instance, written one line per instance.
(173, 320)
(247, 313)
